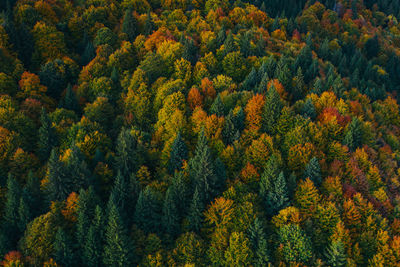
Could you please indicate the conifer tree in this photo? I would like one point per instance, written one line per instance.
(70, 101)
(60, 183)
(272, 110)
(129, 25)
(229, 132)
(277, 197)
(170, 217)
(77, 170)
(353, 137)
(308, 110)
(229, 44)
(85, 213)
(217, 107)
(149, 24)
(127, 159)
(148, 211)
(94, 239)
(11, 216)
(313, 171)
(24, 213)
(88, 54)
(118, 249)
(63, 249)
(195, 217)
(335, 254)
(47, 136)
(178, 154)
(249, 84)
(239, 120)
(33, 194)
(259, 244)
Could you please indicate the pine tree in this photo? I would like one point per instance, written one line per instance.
(267, 181)
(128, 159)
(11, 217)
(88, 54)
(217, 107)
(149, 24)
(335, 254)
(33, 194)
(170, 217)
(244, 44)
(313, 171)
(129, 25)
(24, 213)
(277, 198)
(94, 239)
(354, 136)
(148, 211)
(47, 136)
(229, 44)
(63, 249)
(308, 109)
(189, 51)
(201, 170)
(177, 155)
(298, 88)
(239, 120)
(249, 84)
(195, 217)
(272, 110)
(118, 249)
(70, 101)
(85, 213)
(229, 132)
(77, 170)
(259, 244)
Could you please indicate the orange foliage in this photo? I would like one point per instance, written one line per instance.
(30, 84)
(157, 38)
(195, 99)
(249, 173)
(207, 88)
(71, 206)
(254, 110)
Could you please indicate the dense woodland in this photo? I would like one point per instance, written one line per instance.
(199, 133)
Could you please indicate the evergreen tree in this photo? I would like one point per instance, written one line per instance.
(272, 110)
(94, 239)
(298, 88)
(70, 101)
(249, 84)
(260, 47)
(177, 155)
(195, 217)
(229, 132)
(33, 194)
(244, 44)
(372, 47)
(239, 120)
(217, 107)
(24, 213)
(201, 170)
(149, 26)
(129, 25)
(60, 183)
(47, 136)
(277, 197)
(148, 211)
(88, 54)
(354, 136)
(259, 244)
(128, 159)
(118, 249)
(11, 216)
(308, 109)
(313, 171)
(229, 44)
(170, 217)
(85, 213)
(63, 249)
(335, 254)
(78, 170)
(189, 51)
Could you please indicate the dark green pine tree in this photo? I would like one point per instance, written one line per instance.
(118, 248)
(272, 110)
(127, 159)
(189, 50)
(335, 254)
(304, 59)
(239, 120)
(263, 86)
(24, 213)
(277, 198)
(170, 213)
(11, 217)
(178, 154)
(64, 253)
(249, 84)
(33, 194)
(298, 88)
(182, 190)
(94, 240)
(270, 66)
(70, 101)
(129, 25)
(220, 172)
(47, 136)
(201, 170)
(372, 47)
(221, 36)
(260, 47)
(60, 183)
(149, 26)
(229, 133)
(88, 54)
(148, 211)
(78, 170)
(85, 213)
(313, 171)
(308, 109)
(244, 44)
(271, 173)
(229, 44)
(195, 217)
(259, 244)
(354, 136)
(217, 107)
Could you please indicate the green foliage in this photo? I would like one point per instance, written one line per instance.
(296, 247)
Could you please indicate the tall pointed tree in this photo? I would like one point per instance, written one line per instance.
(92, 250)
(196, 209)
(259, 244)
(313, 171)
(64, 253)
(178, 154)
(335, 254)
(272, 110)
(148, 211)
(170, 216)
(47, 136)
(129, 25)
(128, 159)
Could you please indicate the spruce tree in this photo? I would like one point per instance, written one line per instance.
(354, 136)
(70, 101)
(47, 136)
(11, 217)
(277, 198)
(129, 25)
(85, 213)
(177, 155)
(33, 194)
(170, 213)
(118, 249)
(77, 170)
(313, 171)
(88, 54)
(217, 107)
(24, 213)
(149, 25)
(249, 84)
(259, 244)
(128, 159)
(64, 253)
(148, 211)
(229, 44)
(308, 109)
(94, 239)
(272, 110)
(335, 254)
(229, 132)
(195, 217)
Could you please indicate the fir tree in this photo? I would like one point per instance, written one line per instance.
(249, 84)
(259, 244)
(239, 120)
(70, 101)
(335, 254)
(354, 136)
(24, 213)
(94, 239)
(170, 217)
(229, 44)
(313, 171)
(129, 25)
(60, 184)
(85, 213)
(177, 155)
(149, 24)
(47, 136)
(195, 217)
(118, 249)
(11, 216)
(148, 211)
(308, 109)
(272, 110)
(127, 159)
(88, 54)
(277, 197)
(63, 249)
(229, 132)
(33, 194)
(217, 107)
